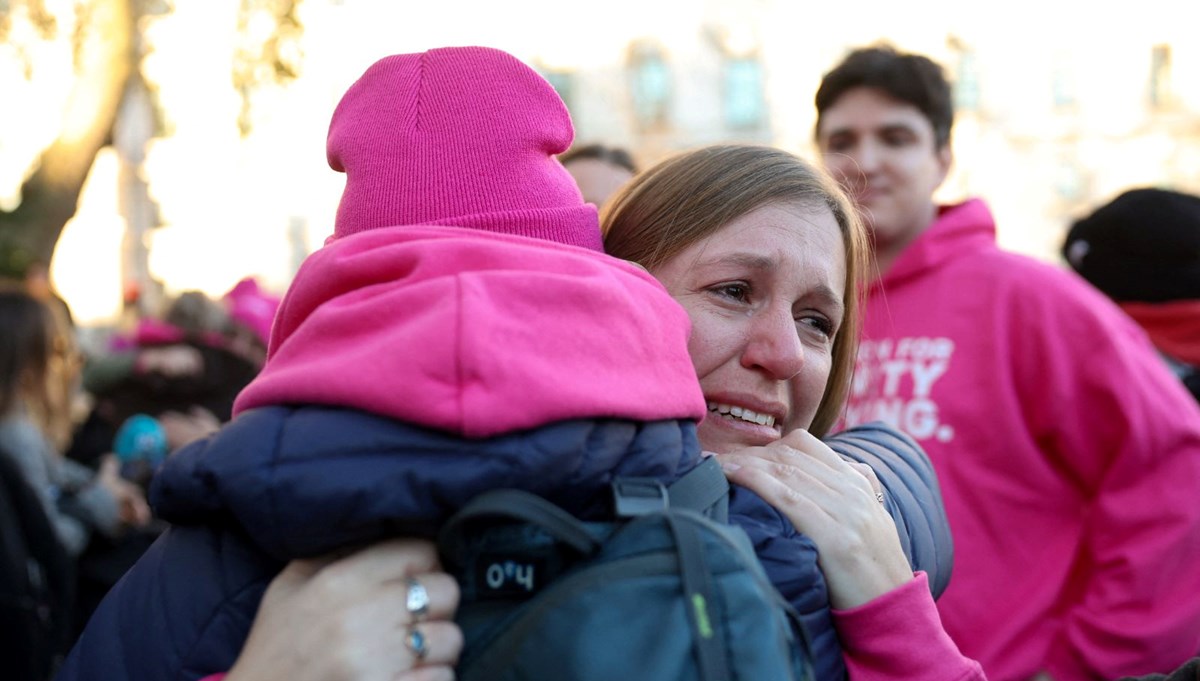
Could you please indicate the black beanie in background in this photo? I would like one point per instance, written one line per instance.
(1143, 246)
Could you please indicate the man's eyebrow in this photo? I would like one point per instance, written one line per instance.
(885, 129)
(836, 132)
(897, 127)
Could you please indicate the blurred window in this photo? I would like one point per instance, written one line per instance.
(966, 82)
(563, 83)
(745, 107)
(1160, 76)
(650, 84)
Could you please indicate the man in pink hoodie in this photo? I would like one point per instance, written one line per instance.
(1069, 457)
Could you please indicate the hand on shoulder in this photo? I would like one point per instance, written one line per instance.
(833, 502)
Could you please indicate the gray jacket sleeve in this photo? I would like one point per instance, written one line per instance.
(71, 508)
(83, 498)
(911, 492)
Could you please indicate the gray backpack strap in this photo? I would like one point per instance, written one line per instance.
(515, 505)
(703, 489)
(701, 601)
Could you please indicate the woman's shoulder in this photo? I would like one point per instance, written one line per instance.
(888, 451)
(875, 436)
(22, 441)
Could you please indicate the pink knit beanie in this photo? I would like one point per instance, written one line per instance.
(462, 136)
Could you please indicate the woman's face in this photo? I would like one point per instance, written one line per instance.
(764, 294)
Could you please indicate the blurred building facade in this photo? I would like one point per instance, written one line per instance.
(1050, 122)
(1062, 105)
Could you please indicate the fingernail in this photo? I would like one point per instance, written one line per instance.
(706, 454)
(730, 466)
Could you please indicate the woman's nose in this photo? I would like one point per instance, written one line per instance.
(773, 345)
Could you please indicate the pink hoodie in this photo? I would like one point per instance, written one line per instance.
(1068, 456)
(500, 333)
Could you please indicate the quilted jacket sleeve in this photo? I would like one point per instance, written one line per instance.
(182, 612)
(912, 495)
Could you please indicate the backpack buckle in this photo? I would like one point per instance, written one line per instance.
(634, 497)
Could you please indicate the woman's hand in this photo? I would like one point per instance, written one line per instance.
(348, 618)
(181, 428)
(131, 502)
(834, 503)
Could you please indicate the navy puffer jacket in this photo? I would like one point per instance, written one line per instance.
(282, 483)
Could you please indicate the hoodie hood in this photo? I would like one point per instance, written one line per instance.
(959, 229)
(477, 334)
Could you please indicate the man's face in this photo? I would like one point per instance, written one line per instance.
(597, 180)
(884, 153)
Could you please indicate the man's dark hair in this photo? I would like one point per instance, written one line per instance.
(910, 78)
(611, 155)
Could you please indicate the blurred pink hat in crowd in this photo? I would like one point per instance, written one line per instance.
(249, 305)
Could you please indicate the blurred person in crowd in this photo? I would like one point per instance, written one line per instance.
(1188, 671)
(599, 170)
(332, 434)
(184, 370)
(36, 575)
(1142, 249)
(37, 281)
(251, 311)
(38, 370)
(171, 383)
(1068, 455)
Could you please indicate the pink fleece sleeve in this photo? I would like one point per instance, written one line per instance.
(1126, 432)
(899, 636)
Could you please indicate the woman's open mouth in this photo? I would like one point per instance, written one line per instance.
(740, 413)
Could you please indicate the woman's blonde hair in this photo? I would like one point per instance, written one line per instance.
(38, 362)
(691, 196)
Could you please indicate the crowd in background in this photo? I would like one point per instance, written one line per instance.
(86, 432)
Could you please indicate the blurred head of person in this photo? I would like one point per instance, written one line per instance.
(599, 170)
(883, 130)
(1142, 250)
(764, 252)
(37, 280)
(251, 312)
(196, 314)
(39, 363)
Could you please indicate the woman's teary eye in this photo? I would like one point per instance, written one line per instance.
(817, 323)
(739, 291)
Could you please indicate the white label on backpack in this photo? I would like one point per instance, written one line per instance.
(510, 577)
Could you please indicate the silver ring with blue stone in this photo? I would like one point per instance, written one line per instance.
(416, 643)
